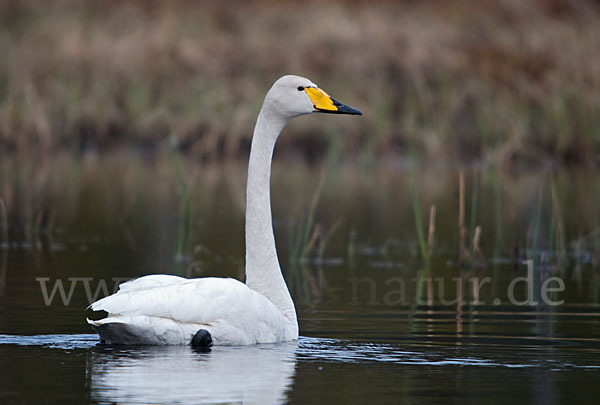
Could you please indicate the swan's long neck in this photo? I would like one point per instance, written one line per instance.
(263, 273)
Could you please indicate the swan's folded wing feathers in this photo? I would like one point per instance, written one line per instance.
(151, 281)
(198, 301)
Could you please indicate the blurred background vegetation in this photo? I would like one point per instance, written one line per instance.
(125, 128)
(511, 82)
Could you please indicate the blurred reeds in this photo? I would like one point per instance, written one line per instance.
(356, 223)
(501, 80)
(4, 245)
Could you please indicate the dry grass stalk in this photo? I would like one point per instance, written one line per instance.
(558, 224)
(431, 233)
(477, 252)
(462, 231)
(3, 222)
(3, 246)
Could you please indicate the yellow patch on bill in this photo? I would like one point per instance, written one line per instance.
(320, 99)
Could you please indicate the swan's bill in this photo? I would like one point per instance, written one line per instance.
(324, 103)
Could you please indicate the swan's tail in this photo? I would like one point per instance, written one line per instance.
(145, 330)
(117, 332)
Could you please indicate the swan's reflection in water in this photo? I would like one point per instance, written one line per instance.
(259, 374)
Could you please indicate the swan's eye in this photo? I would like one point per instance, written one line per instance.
(300, 88)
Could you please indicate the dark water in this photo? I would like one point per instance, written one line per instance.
(379, 323)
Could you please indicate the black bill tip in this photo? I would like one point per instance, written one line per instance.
(341, 109)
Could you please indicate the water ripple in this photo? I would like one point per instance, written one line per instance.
(54, 341)
(311, 349)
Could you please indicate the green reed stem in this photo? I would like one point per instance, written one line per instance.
(185, 217)
(537, 224)
(3, 223)
(4, 242)
(305, 241)
(416, 205)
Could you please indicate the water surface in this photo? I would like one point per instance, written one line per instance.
(379, 322)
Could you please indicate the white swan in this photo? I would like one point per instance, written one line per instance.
(165, 309)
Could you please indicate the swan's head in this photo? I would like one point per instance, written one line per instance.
(292, 96)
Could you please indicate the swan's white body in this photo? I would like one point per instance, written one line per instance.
(164, 309)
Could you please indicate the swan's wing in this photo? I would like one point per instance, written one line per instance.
(198, 301)
(151, 281)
